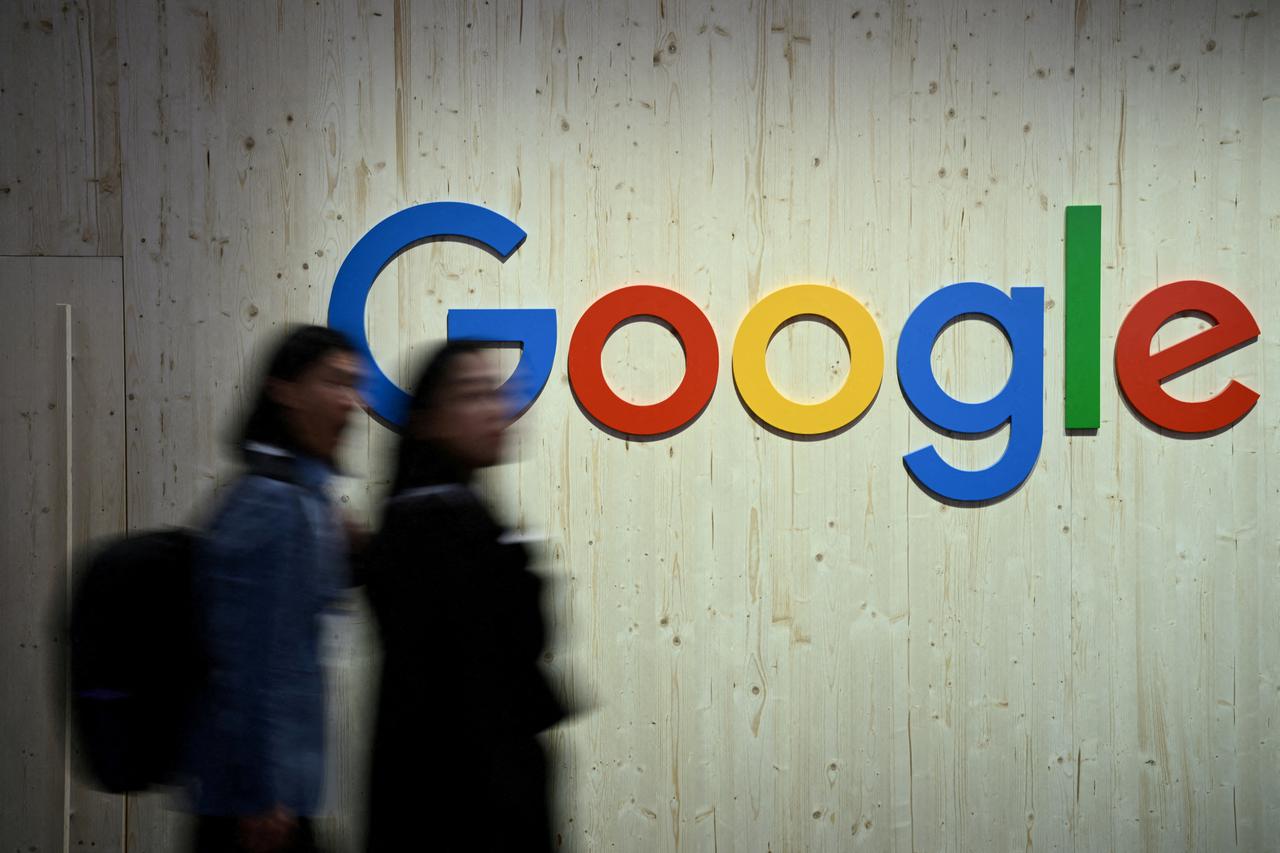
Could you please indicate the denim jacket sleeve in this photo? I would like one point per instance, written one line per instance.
(248, 581)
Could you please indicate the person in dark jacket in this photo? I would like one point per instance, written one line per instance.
(273, 559)
(456, 760)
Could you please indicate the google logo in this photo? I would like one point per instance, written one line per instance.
(1019, 314)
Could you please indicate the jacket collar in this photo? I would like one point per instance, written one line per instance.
(268, 460)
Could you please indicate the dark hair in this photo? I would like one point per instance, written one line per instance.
(420, 461)
(301, 348)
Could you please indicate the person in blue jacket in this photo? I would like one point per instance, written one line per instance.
(274, 558)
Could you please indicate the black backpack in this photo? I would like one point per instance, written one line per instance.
(136, 663)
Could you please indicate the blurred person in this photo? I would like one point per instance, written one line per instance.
(272, 561)
(456, 760)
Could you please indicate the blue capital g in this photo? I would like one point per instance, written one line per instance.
(533, 329)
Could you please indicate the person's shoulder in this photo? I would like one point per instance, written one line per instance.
(258, 493)
(257, 510)
(254, 483)
(451, 507)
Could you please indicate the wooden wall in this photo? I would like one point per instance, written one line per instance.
(785, 645)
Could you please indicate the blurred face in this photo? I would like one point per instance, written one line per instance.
(469, 415)
(318, 403)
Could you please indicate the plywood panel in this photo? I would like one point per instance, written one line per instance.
(251, 120)
(1180, 569)
(699, 571)
(50, 502)
(59, 145)
(784, 644)
(1255, 706)
(990, 633)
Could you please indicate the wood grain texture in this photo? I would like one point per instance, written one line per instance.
(40, 808)
(59, 145)
(778, 644)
